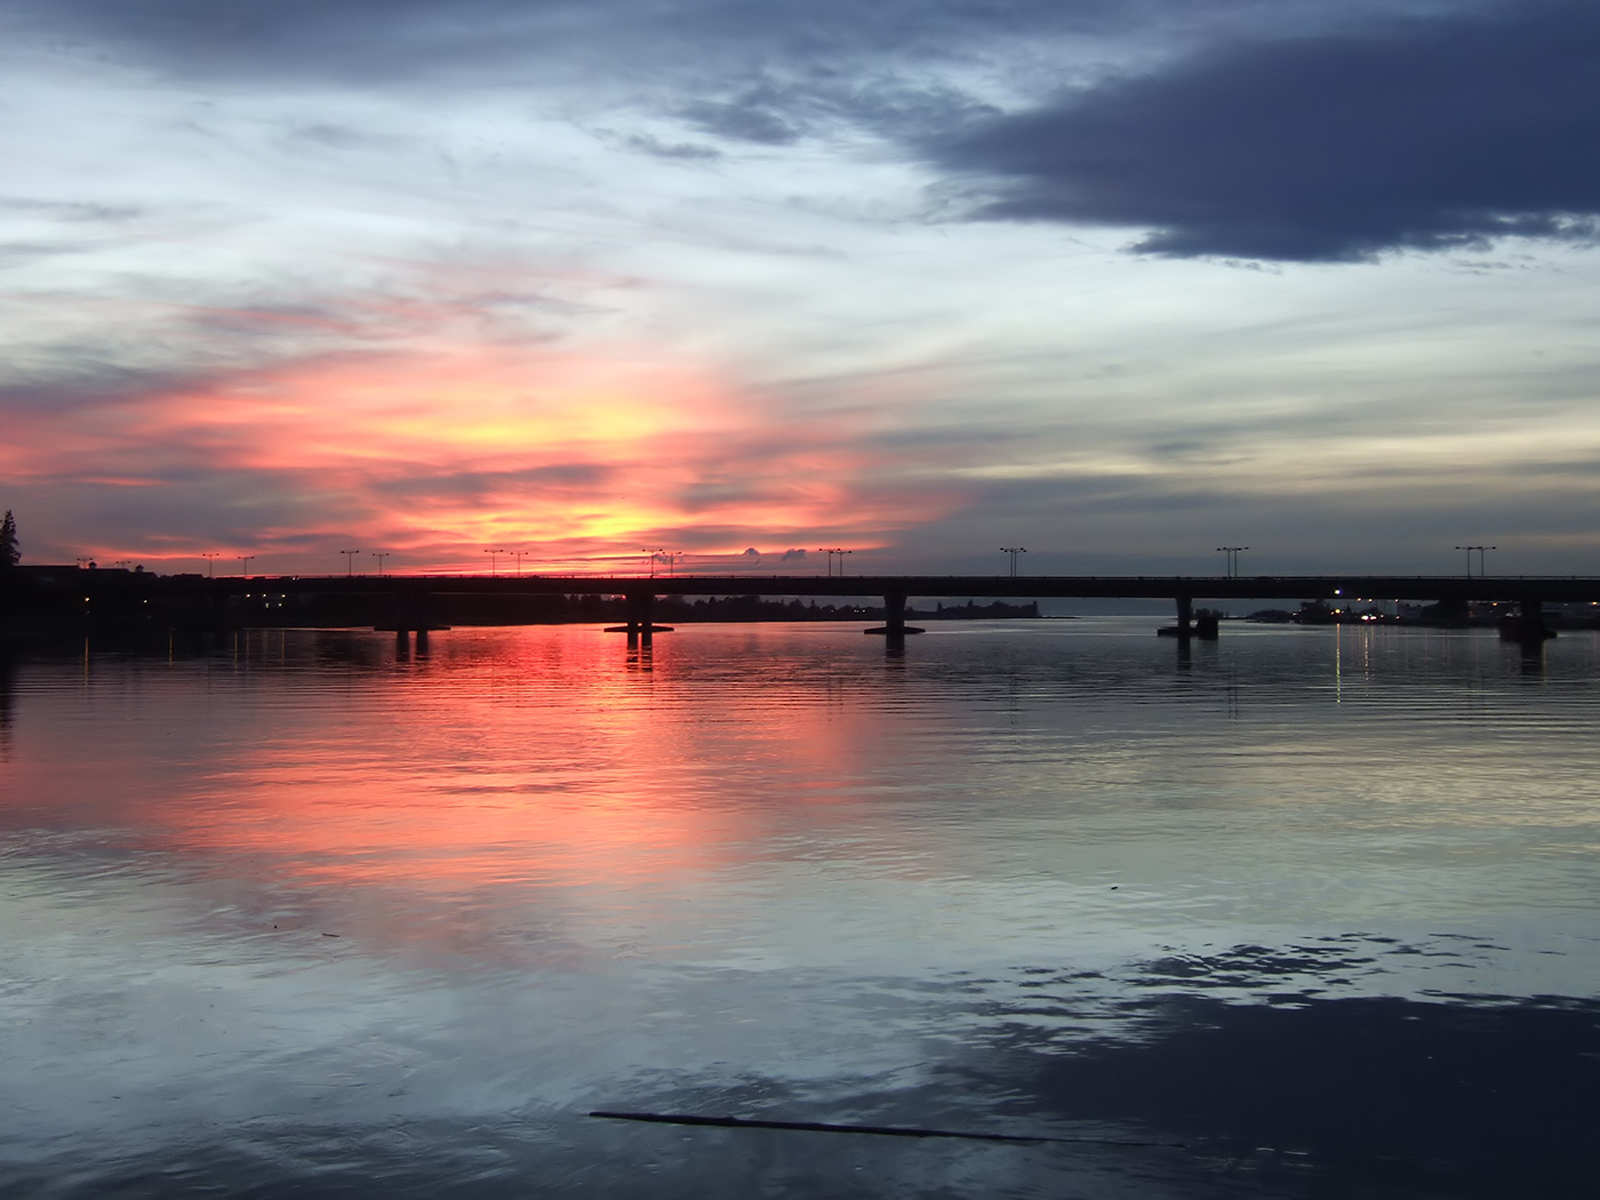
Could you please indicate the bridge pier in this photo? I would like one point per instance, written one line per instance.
(894, 615)
(641, 611)
(894, 625)
(1527, 627)
(1190, 626)
(1184, 629)
(641, 608)
(407, 614)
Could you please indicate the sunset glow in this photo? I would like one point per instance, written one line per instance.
(1118, 284)
(440, 453)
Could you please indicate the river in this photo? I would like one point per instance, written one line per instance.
(1302, 912)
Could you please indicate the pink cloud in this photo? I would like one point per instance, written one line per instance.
(437, 452)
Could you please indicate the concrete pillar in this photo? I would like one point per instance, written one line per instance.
(1528, 625)
(894, 627)
(894, 615)
(1185, 618)
(641, 611)
(1533, 619)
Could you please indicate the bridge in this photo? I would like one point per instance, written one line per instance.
(420, 602)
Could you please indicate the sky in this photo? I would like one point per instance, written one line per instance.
(1118, 281)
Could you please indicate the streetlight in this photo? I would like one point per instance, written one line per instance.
(1482, 567)
(244, 565)
(830, 552)
(380, 555)
(349, 562)
(494, 554)
(521, 554)
(211, 557)
(655, 555)
(1233, 558)
(1013, 551)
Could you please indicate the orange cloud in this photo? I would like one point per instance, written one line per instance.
(440, 451)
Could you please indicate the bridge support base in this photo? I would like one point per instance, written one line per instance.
(402, 636)
(641, 607)
(1527, 627)
(1203, 627)
(894, 625)
(1184, 629)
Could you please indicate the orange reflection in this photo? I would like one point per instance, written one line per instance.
(531, 759)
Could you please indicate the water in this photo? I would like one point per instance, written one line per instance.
(297, 915)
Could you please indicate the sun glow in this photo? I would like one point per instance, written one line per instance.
(439, 452)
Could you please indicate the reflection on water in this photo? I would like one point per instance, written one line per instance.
(322, 914)
(8, 672)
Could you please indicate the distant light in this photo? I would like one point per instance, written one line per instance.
(1338, 591)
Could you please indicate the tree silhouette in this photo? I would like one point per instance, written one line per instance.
(10, 556)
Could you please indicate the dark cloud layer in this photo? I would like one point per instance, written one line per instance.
(1422, 134)
(378, 33)
(403, 43)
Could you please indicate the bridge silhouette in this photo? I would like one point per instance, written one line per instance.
(421, 602)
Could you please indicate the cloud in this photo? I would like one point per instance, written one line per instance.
(391, 36)
(70, 210)
(438, 453)
(770, 74)
(644, 143)
(700, 50)
(334, 136)
(766, 113)
(340, 266)
(1421, 134)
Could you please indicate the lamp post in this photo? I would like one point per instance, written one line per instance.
(1233, 558)
(1013, 551)
(494, 553)
(654, 557)
(244, 565)
(521, 554)
(349, 562)
(830, 551)
(380, 555)
(211, 557)
(1482, 564)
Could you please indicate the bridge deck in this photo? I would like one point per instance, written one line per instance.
(1552, 589)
